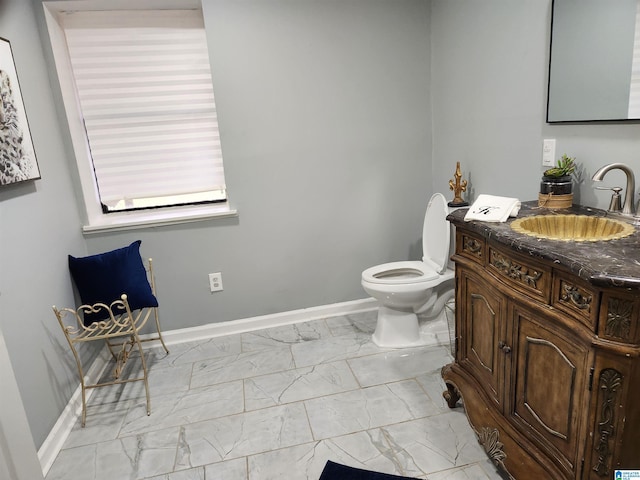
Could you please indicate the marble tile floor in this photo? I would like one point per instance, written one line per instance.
(277, 404)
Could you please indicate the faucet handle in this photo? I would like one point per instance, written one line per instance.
(616, 203)
(615, 189)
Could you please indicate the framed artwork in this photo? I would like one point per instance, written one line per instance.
(17, 156)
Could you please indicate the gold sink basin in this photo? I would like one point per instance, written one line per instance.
(577, 228)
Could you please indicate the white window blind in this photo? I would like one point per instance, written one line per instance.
(634, 93)
(144, 87)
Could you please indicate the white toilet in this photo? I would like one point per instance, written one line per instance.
(406, 288)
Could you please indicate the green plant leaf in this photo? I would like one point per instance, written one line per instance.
(566, 166)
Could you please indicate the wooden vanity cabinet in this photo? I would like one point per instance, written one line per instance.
(547, 397)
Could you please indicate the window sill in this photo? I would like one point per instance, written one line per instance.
(154, 218)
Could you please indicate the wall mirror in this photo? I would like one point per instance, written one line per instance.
(594, 71)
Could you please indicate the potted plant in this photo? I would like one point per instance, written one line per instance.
(557, 182)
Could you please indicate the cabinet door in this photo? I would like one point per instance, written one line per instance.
(549, 382)
(482, 312)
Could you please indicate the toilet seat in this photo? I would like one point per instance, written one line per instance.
(400, 273)
(404, 289)
(435, 251)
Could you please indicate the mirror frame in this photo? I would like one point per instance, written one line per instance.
(572, 77)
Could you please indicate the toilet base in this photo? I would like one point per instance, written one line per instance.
(436, 330)
(397, 329)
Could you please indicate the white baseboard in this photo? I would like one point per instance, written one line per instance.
(61, 430)
(250, 324)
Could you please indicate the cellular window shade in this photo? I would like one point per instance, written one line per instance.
(145, 91)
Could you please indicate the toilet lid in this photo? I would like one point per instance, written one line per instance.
(436, 233)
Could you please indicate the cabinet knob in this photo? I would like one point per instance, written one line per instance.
(506, 349)
(501, 344)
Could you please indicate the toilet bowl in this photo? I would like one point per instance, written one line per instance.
(406, 289)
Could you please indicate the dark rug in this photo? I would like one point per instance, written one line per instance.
(335, 471)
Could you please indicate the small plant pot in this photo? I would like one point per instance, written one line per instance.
(556, 185)
(556, 192)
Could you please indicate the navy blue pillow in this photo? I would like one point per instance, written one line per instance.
(106, 276)
(337, 471)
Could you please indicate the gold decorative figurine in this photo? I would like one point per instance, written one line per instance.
(458, 186)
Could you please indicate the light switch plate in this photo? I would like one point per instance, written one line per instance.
(548, 152)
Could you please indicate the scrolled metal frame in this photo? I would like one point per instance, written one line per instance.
(120, 331)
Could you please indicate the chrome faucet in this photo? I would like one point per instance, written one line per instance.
(628, 207)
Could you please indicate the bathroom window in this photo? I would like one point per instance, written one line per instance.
(138, 94)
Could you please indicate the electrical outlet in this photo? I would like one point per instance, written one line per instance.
(215, 282)
(548, 152)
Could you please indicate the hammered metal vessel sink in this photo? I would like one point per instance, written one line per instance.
(577, 228)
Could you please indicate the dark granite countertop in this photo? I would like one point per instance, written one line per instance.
(612, 263)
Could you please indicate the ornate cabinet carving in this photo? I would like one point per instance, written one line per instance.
(547, 364)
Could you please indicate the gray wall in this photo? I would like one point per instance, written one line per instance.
(326, 124)
(39, 224)
(325, 117)
(489, 76)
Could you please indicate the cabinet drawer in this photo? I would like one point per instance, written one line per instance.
(522, 273)
(575, 298)
(471, 246)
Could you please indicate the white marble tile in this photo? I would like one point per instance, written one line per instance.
(371, 408)
(435, 443)
(185, 407)
(398, 364)
(134, 457)
(432, 383)
(103, 423)
(138, 456)
(302, 462)
(436, 330)
(284, 335)
(191, 352)
(241, 366)
(476, 471)
(154, 355)
(362, 322)
(131, 368)
(240, 435)
(190, 474)
(78, 463)
(299, 384)
(333, 349)
(162, 379)
(367, 450)
(367, 408)
(235, 469)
